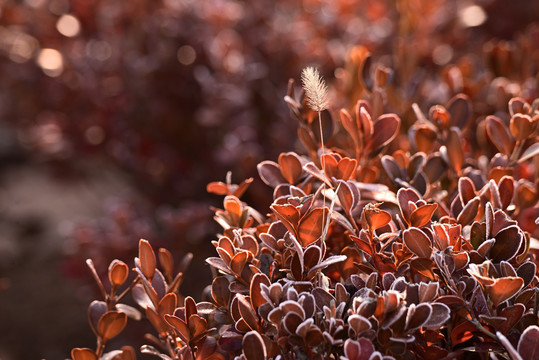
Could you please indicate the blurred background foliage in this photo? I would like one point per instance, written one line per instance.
(114, 115)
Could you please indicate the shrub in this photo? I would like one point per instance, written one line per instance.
(387, 239)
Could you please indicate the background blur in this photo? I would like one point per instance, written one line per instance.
(114, 115)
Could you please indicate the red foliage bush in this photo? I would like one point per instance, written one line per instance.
(384, 241)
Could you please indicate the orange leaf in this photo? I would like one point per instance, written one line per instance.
(454, 149)
(405, 196)
(256, 291)
(233, 207)
(238, 262)
(288, 214)
(147, 259)
(197, 325)
(504, 288)
(111, 324)
(166, 261)
(347, 168)
(311, 226)
(422, 215)
(167, 304)
(118, 271)
(83, 354)
(291, 167)
(374, 217)
(522, 126)
(180, 326)
(425, 138)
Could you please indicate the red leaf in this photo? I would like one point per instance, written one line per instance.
(253, 346)
(508, 242)
(255, 290)
(469, 212)
(405, 196)
(270, 173)
(499, 135)
(530, 152)
(385, 129)
(418, 242)
(528, 345)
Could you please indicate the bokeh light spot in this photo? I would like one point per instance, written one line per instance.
(94, 135)
(51, 62)
(68, 25)
(23, 47)
(442, 54)
(472, 16)
(99, 50)
(186, 55)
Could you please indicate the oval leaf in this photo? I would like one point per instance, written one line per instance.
(253, 346)
(528, 345)
(111, 324)
(147, 259)
(385, 129)
(418, 242)
(499, 135)
(83, 354)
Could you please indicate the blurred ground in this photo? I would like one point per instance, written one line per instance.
(43, 312)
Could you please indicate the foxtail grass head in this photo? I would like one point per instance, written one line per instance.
(315, 88)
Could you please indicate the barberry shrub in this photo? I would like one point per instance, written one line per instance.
(386, 239)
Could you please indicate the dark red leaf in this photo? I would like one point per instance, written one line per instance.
(253, 346)
(385, 129)
(418, 242)
(469, 212)
(528, 345)
(499, 135)
(270, 173)
(508, 242)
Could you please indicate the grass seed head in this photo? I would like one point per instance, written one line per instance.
(315, 89)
